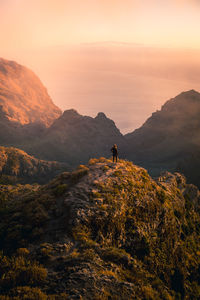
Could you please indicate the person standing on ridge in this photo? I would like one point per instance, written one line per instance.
(114, 152)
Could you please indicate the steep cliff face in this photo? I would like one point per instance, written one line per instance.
(23, 97)
(169, 136)
(104, 231)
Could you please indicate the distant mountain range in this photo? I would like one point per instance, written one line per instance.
(74, 139)
(168, 140)
(104, 230)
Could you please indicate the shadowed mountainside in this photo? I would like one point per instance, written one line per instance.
(14, 133)
(74, 138)
(170, 138)
(104, 231)
(23, 97)
(18, 166)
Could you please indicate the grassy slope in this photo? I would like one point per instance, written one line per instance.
(17, 166)
(104, 230)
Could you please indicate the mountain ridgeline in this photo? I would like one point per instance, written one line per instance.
(170, 138)
(75, 139)
(72, 138)
(103, 231)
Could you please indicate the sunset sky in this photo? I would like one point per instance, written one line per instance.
(62, 39)
(37, 23)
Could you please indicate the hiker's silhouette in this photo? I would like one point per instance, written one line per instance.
(114, 152)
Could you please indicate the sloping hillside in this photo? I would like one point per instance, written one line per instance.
(104, 231)
(17, 166)
(23, 97)
(170, 137)
(168, 140)
(26, 110)
(74, 138)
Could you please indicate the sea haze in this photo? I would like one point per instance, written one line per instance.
(126, 81)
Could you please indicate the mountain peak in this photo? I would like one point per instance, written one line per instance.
(189, 95)
(169, 139)
(23, 96)
(70, 113)
(101, 115)
(190, 92)
(184, 101)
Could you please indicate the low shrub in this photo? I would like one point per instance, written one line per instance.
(93, 161)
(60, 189)
(116, 255)
(23, 252)
(162, 197)
(78, 174)
(18, 271)
(27, 293)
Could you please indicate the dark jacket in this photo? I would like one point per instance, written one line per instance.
(114, 151)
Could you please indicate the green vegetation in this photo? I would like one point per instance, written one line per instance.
(60, 190)
(109, 228)
(16, 166)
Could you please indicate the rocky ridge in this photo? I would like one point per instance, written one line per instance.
(104, 231)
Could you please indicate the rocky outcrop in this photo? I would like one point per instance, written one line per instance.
(23, 97)
(104, 231)
(168, 139)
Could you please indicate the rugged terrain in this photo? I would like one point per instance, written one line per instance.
(169, 139)
(74, 138)
(17, 166)
(23, 97)
(104, 231)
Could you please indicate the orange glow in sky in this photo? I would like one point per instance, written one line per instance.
(27, 24)
(122, 57)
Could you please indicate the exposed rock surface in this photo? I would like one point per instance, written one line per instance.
(104, 231)
(18, 166)
(23, 97)
(170, 137)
